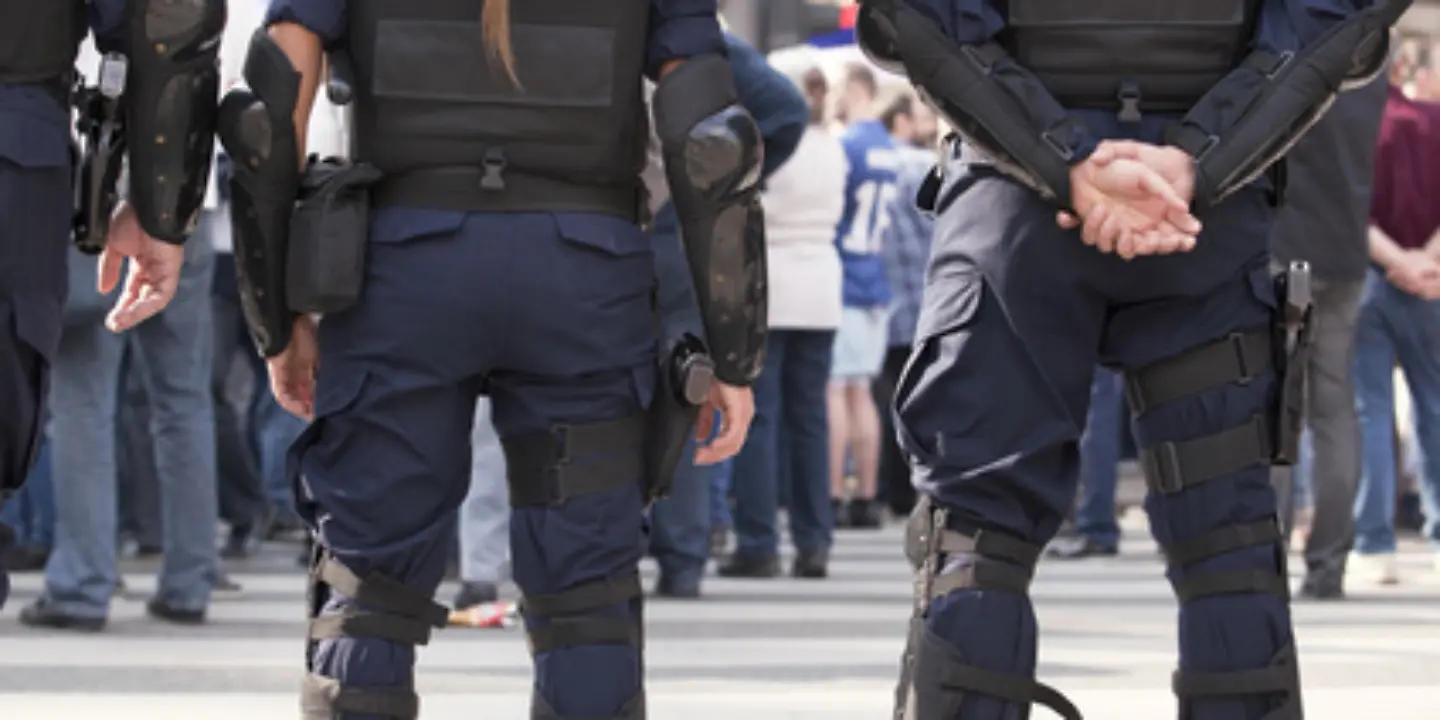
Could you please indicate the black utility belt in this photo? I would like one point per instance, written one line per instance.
(486, 189)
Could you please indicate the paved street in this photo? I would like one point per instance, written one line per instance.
(778, 650)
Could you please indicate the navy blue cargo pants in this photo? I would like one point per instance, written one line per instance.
(991, 405)
(34, 229)
(551, 314)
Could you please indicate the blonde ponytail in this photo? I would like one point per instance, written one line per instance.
(495, 26)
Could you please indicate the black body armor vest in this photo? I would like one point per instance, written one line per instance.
(39, 40)
(450, 130)
(1130, 55)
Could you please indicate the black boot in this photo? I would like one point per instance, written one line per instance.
(41, 614)
(812, 565)
(865, 514)
(749, 566)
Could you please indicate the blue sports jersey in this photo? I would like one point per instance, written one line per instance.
(869, 189)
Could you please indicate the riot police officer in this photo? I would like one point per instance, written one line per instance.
(152, 48)
(1208, 96)
(504, 256)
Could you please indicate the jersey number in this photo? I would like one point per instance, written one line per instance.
(871, 219)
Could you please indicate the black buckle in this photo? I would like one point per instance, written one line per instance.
(1065, 151)
(494, 164)
(1129, 97)
(1162, 469)
(1237, 343)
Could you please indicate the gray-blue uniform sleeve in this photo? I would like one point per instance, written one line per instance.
(325, 18)
(680, 29)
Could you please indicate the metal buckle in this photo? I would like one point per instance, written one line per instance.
(494, 165)
(560, 436)
(1162, 469)
(1065, 151)
(1129, 97)
(1237, 343)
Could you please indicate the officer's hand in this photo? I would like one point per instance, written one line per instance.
(736, 406)
(292, 372)
(154, 270)
(1134, 199)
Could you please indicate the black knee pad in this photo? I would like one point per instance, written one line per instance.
(934, 676)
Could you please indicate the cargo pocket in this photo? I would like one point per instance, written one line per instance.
(339, 395)
(612, 256)
(951, 305)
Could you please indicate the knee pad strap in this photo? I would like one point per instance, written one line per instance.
(404, 616)
(323, 698)
(1224, 540)
(539, 465)
(566, 624)
(1280, 678)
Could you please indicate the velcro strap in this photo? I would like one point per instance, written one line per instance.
(1234, 582)
(1280, 677)
(1223, 540)
(1266, 63)
(382, 593)
(357, 623)
(990, 544)
(1173, 466)
(572, 632)
(539, 465)
(983, 575)
(1238, 358)
(322, 697)
(584, 597)
(1009, 687)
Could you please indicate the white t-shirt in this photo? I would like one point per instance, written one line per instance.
(803, 202)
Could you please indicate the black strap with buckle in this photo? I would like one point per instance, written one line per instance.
(1236, 358)
(542, 470)
(1171, 467)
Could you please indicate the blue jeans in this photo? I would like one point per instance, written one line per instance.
(1100, 460)
(720, 486)
(1395, 327)
(174, 356)
(789, 399)
(275, 430)
(31, 512)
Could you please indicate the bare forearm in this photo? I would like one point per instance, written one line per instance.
(1383, 250)
(303, 49)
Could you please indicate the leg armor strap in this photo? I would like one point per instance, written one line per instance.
(540, 465)
(323, 698)
(567, 623)
(1281, 678)
(404, 616)
(1238, 358)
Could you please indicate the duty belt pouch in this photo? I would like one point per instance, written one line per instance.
(1293, 331)
(325, 271)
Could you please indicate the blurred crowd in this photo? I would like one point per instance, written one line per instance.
(158, 437)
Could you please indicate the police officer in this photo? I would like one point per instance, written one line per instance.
(153, 48)
(1018, 311)
(504, 256)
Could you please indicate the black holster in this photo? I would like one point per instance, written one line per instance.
(100, 155)
(325, 271)
(686, 373)
(1294, 330)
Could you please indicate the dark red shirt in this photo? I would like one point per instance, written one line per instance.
(1406, 203)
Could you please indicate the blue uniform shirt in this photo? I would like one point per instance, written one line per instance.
(34, 129)
(869, 189)
(678, 29)
(1284, 26)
